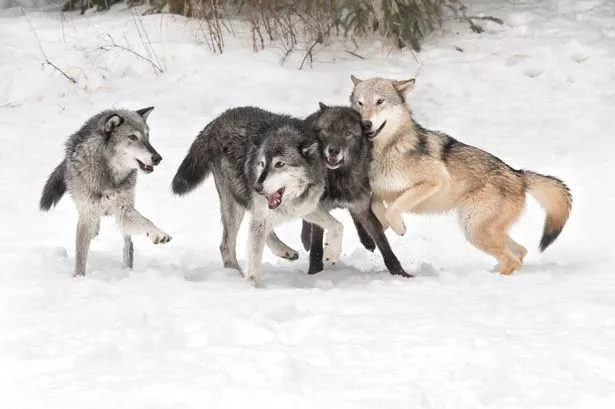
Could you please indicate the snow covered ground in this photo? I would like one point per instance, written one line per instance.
(182, 332)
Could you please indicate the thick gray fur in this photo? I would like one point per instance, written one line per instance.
(347, 153)
(252, 153)
(100, 172)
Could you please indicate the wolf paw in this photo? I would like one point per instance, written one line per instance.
(287, 253)
(397, 223)
(158, 236)
(253, 280)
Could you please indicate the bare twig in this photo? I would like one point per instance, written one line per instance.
(355, 54)
(46, 60)
(286, 54)
(318, 40)
(113, 44)
(145, 41)
(460, 13)
(490, 18)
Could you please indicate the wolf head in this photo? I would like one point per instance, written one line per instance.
(381, 103)
(288, 162)
(127, 135)
(339, 133)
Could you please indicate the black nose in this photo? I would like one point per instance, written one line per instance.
(258, 187)
(366, 125)
(156, 158)
(333, 151)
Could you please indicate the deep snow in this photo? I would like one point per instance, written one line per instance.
(181, 332)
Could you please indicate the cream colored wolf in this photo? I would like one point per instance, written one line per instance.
(416, 170)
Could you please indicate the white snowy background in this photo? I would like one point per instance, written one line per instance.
(182, 332)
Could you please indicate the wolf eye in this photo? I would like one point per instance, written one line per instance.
(261, 164)
(380, 101)
(133, 137)
(349, 134)
(279, 164)
(359, 103)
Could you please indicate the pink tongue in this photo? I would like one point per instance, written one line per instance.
(273, 198)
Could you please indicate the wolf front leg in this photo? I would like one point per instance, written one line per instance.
(280, 248)
(367, 218)
(407, 202)
(87, 229)
(379, 209)
(334, 229)
(129, 253)
(366, 240)
(258, 232)
(132, 222)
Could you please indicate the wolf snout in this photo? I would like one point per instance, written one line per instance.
(258, 187)
(156, 158)
(366, 125)
(333, 150)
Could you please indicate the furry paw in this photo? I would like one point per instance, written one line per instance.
(253, 280)
(401, 273)
(333, 248)
(287, 253)
(158, 236)
(397, 223)
(292, 256)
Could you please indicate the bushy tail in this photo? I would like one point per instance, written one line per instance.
(555, 198)
(194, 169)
(54, 188)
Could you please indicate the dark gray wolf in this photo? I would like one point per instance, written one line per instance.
(100, 172)
(417, 170)
(347, 155)
(265, 163)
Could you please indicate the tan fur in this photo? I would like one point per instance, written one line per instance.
(412, 171)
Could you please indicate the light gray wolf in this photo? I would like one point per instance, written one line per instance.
(347, 155)
(268, 164)
(100, 172)
(418, 170)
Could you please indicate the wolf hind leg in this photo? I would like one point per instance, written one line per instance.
(87, 228)
(232, 216)
(128, 253)
(517, 249)
(486, 219)
(281, 249)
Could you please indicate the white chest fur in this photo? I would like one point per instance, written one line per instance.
(388, 175)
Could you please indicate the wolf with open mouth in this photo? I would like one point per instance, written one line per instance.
(100, 173)
(268, 164)
(347, 151)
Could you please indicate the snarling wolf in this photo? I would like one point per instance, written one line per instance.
(268, 164)
(347, 155)
(418, 170)
(100, 172)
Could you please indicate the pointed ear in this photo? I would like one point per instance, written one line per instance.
(322, 107)
(404, 86)
(310, 151)
(112, 121)
(355, 80)
(145, 112)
